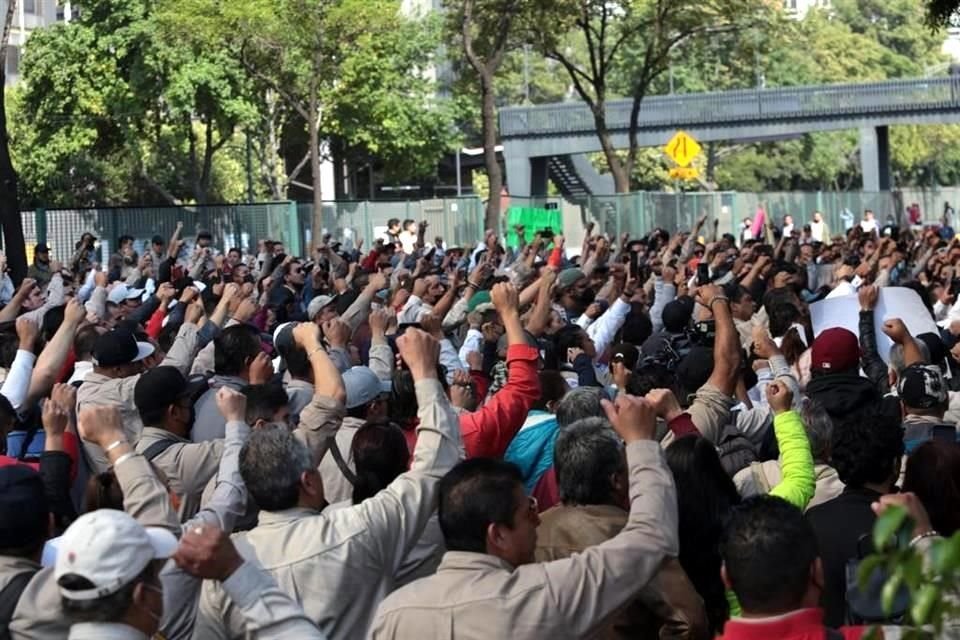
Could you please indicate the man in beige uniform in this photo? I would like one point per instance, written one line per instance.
(488, 585)
(338, 564)
(165, 402)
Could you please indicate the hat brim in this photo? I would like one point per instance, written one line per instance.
(163, 542)
(144, 350)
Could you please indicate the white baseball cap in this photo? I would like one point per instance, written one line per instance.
(110, 549)
(318, 304)
(122, 292)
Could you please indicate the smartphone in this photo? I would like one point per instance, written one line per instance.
(635, 264)
(703, 273)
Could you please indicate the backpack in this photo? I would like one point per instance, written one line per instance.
(864, 605)
(735, 449)
(9, 597)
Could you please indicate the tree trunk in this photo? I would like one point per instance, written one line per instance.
(618, 169)
(313, 126)
(9, 197)
(494, 174)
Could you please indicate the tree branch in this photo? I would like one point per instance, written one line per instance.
(292, 101)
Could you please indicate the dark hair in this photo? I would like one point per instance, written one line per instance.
(52, 320)
(402, 403)
(407, 223)
(103, 492)
(933, 473)
(782, 316)
(108, 608)
(298, 364)
(866, 449)
(474, 494)
(124, 238)
(735, 291)
(705, 495)
(263, 401)
(637, 327)
(9, 343)
(568, 337)
(380, 454)
(553, 386)
(768, 548)
(586, 455)
(649, 377)
(234, 348)
(393, 222)
(168, 335)
(84, 340)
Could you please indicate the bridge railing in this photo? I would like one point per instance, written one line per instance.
(736, 106)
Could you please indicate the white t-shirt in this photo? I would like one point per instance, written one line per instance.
(868, 226)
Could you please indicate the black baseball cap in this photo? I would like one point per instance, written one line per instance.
(158, 240)
(41, 248)
(161, 387)
(119, 347)
(23, 507)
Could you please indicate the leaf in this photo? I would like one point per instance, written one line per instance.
(889, 592)
(923, 603)
(887, 526)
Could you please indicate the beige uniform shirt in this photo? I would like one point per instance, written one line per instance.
(98, 389)
(475, 595)
(340, 564)
(189, 466)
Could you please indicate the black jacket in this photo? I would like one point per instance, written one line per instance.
(844, 395)
(839, 525)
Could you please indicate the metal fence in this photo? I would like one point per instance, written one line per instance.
(460, 221)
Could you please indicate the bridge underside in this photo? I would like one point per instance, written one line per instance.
(529, 159)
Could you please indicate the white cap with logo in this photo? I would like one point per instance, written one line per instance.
(110, 549)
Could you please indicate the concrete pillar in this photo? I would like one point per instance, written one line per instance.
(538, 177)
(518, 173)
(875, 158)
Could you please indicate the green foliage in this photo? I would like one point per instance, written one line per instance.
(110, 110)
(933, 578)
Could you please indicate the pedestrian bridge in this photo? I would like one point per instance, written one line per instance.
(535, 138)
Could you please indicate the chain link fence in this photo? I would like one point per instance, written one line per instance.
(460, 221)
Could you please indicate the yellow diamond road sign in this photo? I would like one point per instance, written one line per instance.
(682, 149)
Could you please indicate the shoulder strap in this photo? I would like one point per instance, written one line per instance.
(9, 597)
(341, 463)
(157, 448)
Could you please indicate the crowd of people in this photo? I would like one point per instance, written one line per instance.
(633, 438)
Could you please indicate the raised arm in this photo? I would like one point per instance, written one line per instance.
(726, 347)
(207, 553)
(898, 332)
(539, 318)
(145, 498)
(870, 360)
(396, 516)
(798, 482)
(588, 586)
(320, 419)
(488, 431)
(54, 355)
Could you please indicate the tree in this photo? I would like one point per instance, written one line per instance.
(650, 29)
(373, 98)
(9, 197)
(113, 110)
(485, 30)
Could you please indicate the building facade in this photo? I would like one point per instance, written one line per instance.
(31, 14)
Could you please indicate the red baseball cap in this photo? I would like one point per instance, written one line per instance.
(835, 349)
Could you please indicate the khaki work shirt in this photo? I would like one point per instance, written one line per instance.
(476, 595)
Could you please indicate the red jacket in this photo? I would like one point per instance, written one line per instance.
(805, 624)
(488, 431)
